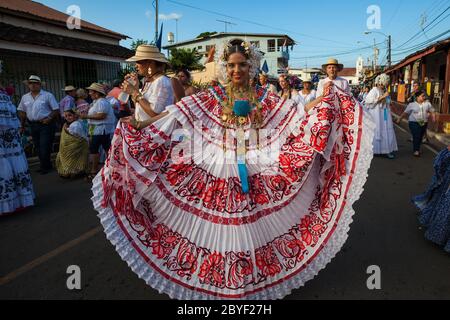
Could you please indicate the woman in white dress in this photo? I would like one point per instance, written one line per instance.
(235, 218)
(377, 104)
(16, 188)
(157, 92)
(305, 96)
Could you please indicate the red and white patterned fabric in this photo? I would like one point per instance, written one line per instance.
(189, 231)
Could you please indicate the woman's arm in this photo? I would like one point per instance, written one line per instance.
(313, 104)
(139, 125)
(95, 116)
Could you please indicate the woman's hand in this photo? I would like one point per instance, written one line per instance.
(131, 84)
(131, 121)
(327, 85)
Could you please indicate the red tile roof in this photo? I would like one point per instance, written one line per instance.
(348, 72)
(37, 11)
(12, 33)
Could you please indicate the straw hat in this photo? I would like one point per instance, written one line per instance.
(69, 88)
(148, 52)
(308, 79)
(333, 61)
(97, 87)
(33, 79)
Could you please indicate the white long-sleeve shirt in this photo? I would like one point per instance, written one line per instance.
(339, 82)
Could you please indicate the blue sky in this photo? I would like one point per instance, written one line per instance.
(322, 28)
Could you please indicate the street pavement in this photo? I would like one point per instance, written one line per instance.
(39, 244)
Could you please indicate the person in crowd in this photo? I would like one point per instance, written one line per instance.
(186, 80)
(418, 113)
(286, 91)
(41, 110)
(124, 108)
(363, 95)
(415, 88)
(434, 204)
(377, 104)
(157, 92)
(265, 84)
(305, 96)
(101, 121)
(332, 69)
(68, 102)
(73, 155)
(178, 89)
(16, 187)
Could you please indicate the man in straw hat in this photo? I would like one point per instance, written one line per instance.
(157, 92)
(41, 110)
(68, 102)
(332, 68)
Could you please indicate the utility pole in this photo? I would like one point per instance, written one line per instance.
(375, 56)
(227, 23)
(389, 58)
(156, 21)
(176, 34)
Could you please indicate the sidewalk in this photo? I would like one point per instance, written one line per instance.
(438, 141)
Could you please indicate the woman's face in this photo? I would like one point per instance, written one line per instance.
(70, 117)
(262, 79)
(421, 98)
(142, 67)
(183, 78)
(307, 85)
(238, 70)
(283, 83)
(94, 95)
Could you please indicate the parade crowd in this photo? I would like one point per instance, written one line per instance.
(88, 117)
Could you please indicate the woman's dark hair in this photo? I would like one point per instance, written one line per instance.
(419, 93)
(186, 73)
(71, 111)
(236, 47)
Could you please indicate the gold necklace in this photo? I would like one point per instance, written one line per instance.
(229, 118)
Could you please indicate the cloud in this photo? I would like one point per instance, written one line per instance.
(171, 16)
(149, 14)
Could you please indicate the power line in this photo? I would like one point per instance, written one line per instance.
(337, 53)
(433, 7)
(422, 45)
(254, 23)
(418, 33)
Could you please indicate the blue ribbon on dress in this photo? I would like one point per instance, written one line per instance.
(242, 108)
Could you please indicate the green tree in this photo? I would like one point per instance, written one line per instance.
(137, 43)
(185, 59)
(206, 34)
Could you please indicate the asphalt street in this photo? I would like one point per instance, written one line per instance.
(39, 244)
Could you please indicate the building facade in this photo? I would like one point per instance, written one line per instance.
(275, 47)
(429, 67)
(35, 39)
